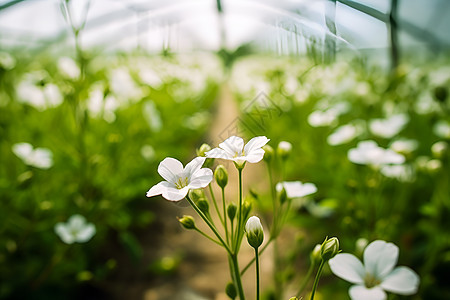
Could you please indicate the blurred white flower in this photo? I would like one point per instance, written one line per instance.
(75, 230)
(296, 189)
(40, 97)
(152, 116)
(148, 153)
(150, 77)
(123, 85)
(233, 149)
(403, 173)
(7, 62)
(101, 106)
(442, 129)
(369, 153)
(285, 146)
(343, 134)
(197, 120)
(180, 180)
(40, 157)
(389, 127)
(320, 118)
(68, 68)
(404, 146)
(439, 149)
(377, 275)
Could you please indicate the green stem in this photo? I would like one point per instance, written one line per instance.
(207, 236)
(306, 279)
(257, 273)
(253, 259)
(208, 222)
(215, 204)
(239, 225)
(237, 276)
(225, 216)
(316, 281)
(274, 200)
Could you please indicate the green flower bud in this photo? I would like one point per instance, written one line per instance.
(187, 222)
(221, 176)
(268, 153)
(329, 248)
(203, 205)
(284, 150)
(203, 148)
(230, 290)
(315, 254)
(231, 211)
(282, 195)
(246, 209)
(195, 195)
(255, 233)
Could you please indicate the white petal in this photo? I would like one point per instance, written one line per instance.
(380, 258)
(232, 145)
(402, 280)
(360, 292)
(86, 233)
(201, 178)
(174, 194)
(254, 156)
(76, 222)
(218, 153)
(22, 150)
(63, 233)
(169, 168)
(348, 267)
(194, 166)
(255, 143)
(159, 188)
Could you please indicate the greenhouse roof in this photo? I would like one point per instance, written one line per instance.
(207, 24)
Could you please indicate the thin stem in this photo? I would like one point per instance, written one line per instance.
(237, 276)
(274, 200)
(316, 281)
(239, 225)
(257, 273)
(306, 279)
(225, 215)
(253, 259)
(215, 204)
(208, 222)
(208, 237)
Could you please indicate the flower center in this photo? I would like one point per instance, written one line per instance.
(181, 182)
(371, 281)
(237, 154)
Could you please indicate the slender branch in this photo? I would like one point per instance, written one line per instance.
(257, 273)
(208, 237)
(316, 281)
(215, 204)
(225, 216)
(306, 279)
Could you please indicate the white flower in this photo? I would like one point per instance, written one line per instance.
(377, 275)
(369, 153)
(320, 118)
(343, 134)
(403, 173)
(69, 68)
(296, 189)
(404, 146)
(442, 129)
(233, 149)
(388, 128)
(40, 157)
(180, 180)
(152, 116)
(75, 230)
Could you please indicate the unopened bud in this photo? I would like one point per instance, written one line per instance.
(221, 176)
(203, 205)
(203, 148)
(268, 153)
(246, 209)
(284, 150)
(195, 195)
(230, 290)
(282, 195)
(315, 254)
(329, 248)
(231, 211)
(187, 222)
(255, 233)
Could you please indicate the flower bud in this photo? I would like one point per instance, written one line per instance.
(268, 153)
(284, 150)
(221, 176)
(231, 211)
(282, 195)
(203, 205)
(255, 233)
(315, 254)
(187, 222)
(203, 148)
(329, 248)
(360, 245)
(246, 209)
(230, 290)
(195, 195)
(439, 148)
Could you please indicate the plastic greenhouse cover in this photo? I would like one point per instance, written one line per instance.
(194, 24)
